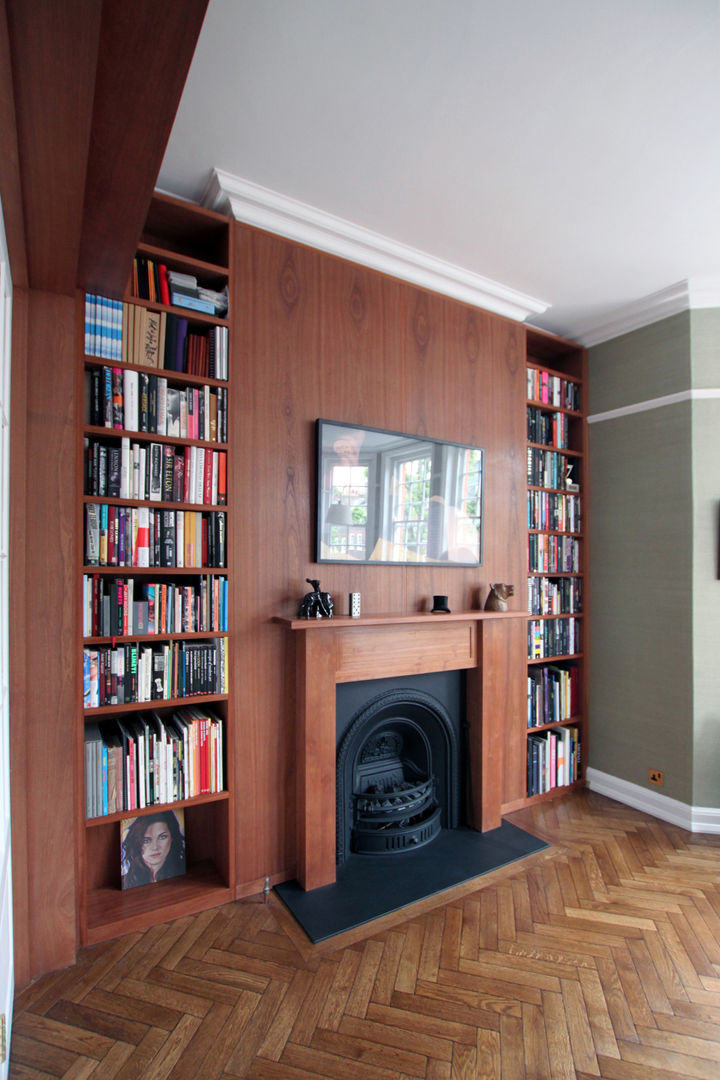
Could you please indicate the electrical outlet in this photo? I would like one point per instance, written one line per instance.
(656, 777)
(3, 1038)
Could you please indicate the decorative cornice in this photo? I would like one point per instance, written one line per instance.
(693, 818)
(698, 292)
(276, 213)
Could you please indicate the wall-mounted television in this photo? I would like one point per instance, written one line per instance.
(386, 497)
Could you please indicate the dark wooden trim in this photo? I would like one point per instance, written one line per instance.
(10, 186)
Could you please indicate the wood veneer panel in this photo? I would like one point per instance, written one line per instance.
(54, 53)
(10, 186)
(18, 637)
(134, 109)
(362, 380)
(465, 382)
(378, 652)
(273, 397)
(44, 703)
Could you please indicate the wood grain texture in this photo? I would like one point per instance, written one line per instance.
(10, 179)
(316, 336)
(54, 55)
(45, 685)
(516, 974)
(133, 111)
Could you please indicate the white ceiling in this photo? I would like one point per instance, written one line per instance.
(568, 149)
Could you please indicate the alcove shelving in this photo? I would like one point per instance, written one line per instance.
(557, 594)
(156, 729)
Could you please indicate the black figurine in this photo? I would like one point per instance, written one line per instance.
(316, 604)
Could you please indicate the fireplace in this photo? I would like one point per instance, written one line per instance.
(398, 773)
(490, 647)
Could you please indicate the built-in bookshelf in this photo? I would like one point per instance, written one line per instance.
(557, 504)
(157, 728)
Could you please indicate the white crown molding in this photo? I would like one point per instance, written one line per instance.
(276, 213)
(693, 818)
(692, 293)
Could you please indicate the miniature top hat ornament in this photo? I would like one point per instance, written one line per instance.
(440, 605)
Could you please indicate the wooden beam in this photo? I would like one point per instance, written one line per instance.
(143, 60)
(53, 52)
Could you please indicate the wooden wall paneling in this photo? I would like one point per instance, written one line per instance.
(495, 700)
(363, 382)
(10, 184)
(54, 55)
(144, 56)
(275, 391)
(315, 749)
(18, 636)
(44, 703)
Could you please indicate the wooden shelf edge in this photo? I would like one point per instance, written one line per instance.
(344, 622)
(197, 895)
(530, 800)
(157, 808)
(155, 703)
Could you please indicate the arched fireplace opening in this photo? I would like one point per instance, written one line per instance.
(398, 773)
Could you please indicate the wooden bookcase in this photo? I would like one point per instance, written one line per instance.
(557, 592)
(198, 242)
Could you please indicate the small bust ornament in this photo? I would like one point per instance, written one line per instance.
(498, 597)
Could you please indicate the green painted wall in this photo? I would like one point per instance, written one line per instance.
(654, 591)
(705, 347)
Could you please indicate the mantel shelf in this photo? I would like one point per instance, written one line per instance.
(344, 621)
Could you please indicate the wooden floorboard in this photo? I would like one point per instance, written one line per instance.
(597, 958)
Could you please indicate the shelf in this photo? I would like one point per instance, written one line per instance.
(556, 450)
(98, 432)
(154, 504)
(181, 377)
(154, 703)
(156, 808)
(173, 260)
(553, 659)
(144, 571)
(120, 639)
(574, 721)
(547, 407)
(113, 911)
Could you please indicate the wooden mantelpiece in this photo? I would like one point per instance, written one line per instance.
(491, 646)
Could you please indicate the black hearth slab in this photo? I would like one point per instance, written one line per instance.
(369, 886)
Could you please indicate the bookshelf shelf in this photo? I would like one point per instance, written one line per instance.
(556, 736)
(189, 736)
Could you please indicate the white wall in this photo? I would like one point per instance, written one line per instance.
(6, 949)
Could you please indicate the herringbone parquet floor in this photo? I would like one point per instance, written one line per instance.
(597, 958)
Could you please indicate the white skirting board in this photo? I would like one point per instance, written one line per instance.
(697, 819)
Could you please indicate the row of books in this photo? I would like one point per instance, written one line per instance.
(550, 429)
(550, 469)
(130, 334)
(142, 537)
(150, 759)
(128, 400)
(158, 472)
(553, 510)
(552, 389)
(152, 280)
(553, 554)
(559, 596)
(553, 760)
(553, 694)
(117, 607)
(553, 637)
(134, 672)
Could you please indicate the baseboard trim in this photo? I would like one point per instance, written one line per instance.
(693, 818)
